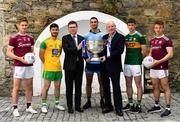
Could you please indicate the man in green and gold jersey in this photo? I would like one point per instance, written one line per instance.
(50, 51)
(135, 50)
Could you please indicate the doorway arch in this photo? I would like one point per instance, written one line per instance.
(82, 18)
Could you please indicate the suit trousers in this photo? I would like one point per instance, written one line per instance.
(73, 77)
(117, 96)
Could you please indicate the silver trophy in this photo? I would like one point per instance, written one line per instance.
(95, 47)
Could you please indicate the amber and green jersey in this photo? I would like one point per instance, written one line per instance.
(52, 54)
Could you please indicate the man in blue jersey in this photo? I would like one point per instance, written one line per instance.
(92, 66)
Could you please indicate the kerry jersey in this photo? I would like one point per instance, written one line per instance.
(133, 44)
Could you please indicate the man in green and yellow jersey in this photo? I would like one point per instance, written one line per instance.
(50, 51)
(135, 50)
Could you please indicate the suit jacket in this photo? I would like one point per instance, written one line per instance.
(72, 53)
(113, 63)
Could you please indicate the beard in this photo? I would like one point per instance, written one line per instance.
(54, 34)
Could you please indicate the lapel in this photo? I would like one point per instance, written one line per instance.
(78, 38)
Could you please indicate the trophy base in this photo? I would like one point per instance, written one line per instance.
(95, 59)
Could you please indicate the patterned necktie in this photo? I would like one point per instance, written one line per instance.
(110, 38)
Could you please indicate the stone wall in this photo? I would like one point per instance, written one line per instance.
(40, 13)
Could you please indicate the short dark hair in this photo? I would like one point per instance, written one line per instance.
(54, 25)
(22, 19)
(72, 22)
(131, 20)
(93, 18)
(159, 22)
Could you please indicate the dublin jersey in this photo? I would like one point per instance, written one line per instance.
(52, 54)
(158, 47)
(22, 44)
(133, 44)
(91, 36)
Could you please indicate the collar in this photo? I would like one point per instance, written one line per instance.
(22, 34)
(95, 32)
(74, 35)
(113, 34)
(53, 38)
(133, 33)
(160, 36)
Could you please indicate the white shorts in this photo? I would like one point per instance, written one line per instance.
(23, 72)
(158, 73)
(132, 70)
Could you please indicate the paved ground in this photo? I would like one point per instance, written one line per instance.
(91, 115)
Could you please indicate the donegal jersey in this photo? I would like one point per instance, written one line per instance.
(52, 54)
(158, 46)
(22, 44)
(133, 44)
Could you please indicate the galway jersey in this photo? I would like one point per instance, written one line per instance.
(158, 47)
(91, 36)
(133, 44)
(22, 44)
(52, 54)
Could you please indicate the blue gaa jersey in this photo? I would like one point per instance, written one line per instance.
(91, 36)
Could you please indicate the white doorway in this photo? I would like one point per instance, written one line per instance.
(82, 18)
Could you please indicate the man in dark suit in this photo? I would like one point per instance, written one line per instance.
(73, 66)
(111, 68)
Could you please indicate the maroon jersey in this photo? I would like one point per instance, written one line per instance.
(158, 46)
(21, 44)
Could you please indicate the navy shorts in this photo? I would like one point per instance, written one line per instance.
(92, 68)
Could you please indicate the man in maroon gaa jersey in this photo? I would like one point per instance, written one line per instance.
(20, 44)
(161, 50)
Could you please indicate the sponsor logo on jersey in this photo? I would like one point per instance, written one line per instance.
(133, 45)
(24, 45)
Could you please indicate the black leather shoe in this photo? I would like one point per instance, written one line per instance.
(79, 110)
(119, 112)
(87, 105)
(107, 110)
(70, 110)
